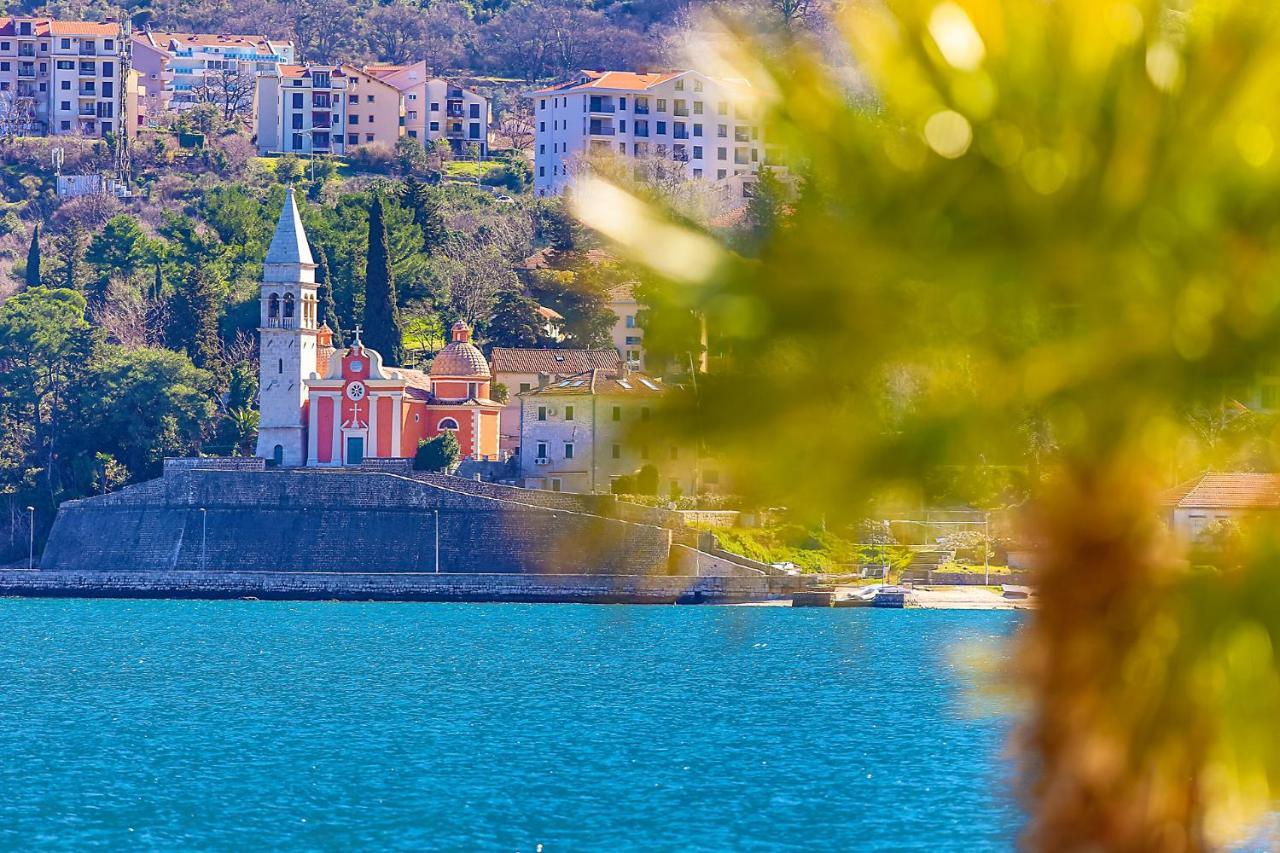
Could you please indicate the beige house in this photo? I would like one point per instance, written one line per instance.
(65, 78)
(436, 108)
(326, 109)
(628, 337)
(1192, 506)
(522, 370)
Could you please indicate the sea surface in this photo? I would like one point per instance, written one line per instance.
(186, 725)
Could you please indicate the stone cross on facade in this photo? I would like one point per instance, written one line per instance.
(357, 342)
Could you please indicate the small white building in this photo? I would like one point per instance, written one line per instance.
(705, 123)
(524, 369)
(436, 108)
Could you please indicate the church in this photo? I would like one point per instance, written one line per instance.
(324, 407)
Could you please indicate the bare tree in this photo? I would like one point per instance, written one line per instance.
(17, 115)
(229, 89)
(129, 317)
(517, 124)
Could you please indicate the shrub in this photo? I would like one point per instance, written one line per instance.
(439, 454)
(646, 481)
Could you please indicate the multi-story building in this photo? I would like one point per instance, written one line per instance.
(583, 432)
(436, 108)
(326, 109)
(66, 77)
(687, 117)
(521, 370)
(175, 66)
(628, 337)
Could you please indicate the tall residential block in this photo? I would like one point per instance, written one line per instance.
(706, 124)
(436, 108)
(326, 109)
(178, 69)
(65, 77)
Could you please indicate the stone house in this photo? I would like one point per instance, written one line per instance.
(521, 370)
(583, 432)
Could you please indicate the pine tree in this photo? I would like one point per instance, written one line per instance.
(193, 318)
(515, 322)
(73, 272)
(324, 296)
(33, 258)
(381, 316)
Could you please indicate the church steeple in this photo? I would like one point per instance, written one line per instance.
(288, 347)
(289, 244)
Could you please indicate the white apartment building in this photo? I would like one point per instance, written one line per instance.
(173, 66)
(66, 77)
(326, 109)
(684, 116)
(436, 108)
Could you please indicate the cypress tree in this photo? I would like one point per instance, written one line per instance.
(381, 317)
(157, 288)
(324, 296)
(73, 272)
(33, 258)
(193, 318)
(425, 205)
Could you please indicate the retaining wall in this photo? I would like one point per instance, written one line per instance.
(337, 521)
(351, 586)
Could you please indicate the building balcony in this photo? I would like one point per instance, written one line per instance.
(27, 72)
(27, 50)
(601, 130)
(88, 111)
(88, 50)
(641, 134)
(642, 111)
(604, 109)
(680, 134)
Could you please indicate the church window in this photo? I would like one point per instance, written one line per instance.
(288, 306)
(449, 424)
(280, 366)
(273, 306)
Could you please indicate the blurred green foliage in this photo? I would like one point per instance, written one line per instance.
(1036, 235)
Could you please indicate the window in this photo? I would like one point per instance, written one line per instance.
(542, 413)
(475, 111)
(679, 85)
(722, 131)
(697, 173)
(720, 173)
(297, 142)
(617, 413)
(297, 100)
(449, 424)
(524, 386)
(542, 126)
(697, 130)
(435, 106)
(697, 152)
(568, 413)
(353, 139)
(542, 104)
(280, 366)
(662, 105)
(722, 153)
(568, 450)
(542, 450)
(555, 484)
(697, 108)
(617, 451)
(542, 171)
(631, 321)
(66, 105)
(435, 126)
(350, 119)
(108, 69)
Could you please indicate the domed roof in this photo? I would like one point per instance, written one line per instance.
(460, 357)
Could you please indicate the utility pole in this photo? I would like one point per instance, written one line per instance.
(204, 537)
(31, 538)
(435, 513)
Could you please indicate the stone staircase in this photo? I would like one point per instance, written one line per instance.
(923, 562)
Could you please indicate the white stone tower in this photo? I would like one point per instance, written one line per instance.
(287, 339)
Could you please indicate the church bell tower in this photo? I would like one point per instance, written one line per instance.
(287, 340)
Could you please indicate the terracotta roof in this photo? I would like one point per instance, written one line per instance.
(554, 362)
(162, 39)
(83, 28)
(1226, 490)
(549, 258)
(601, 382)
(549, 313)
(613, 80)
(48, 26)
(622, 293)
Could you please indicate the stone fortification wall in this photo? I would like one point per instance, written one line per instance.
(569, 501)
(384, 587)
(336, 521)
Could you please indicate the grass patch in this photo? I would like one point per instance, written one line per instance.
(810, 550)
(471, 168)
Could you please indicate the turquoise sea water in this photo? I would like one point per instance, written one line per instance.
(255, 725)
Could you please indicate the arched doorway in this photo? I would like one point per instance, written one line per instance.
(277, 455)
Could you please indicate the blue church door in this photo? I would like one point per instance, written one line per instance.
(355, 450)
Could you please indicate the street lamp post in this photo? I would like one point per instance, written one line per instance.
(31, 538)
(204, 537)
(435, 513)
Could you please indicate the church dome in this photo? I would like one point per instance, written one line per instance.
(461, 357)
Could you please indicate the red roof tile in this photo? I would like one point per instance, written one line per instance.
(553, 362)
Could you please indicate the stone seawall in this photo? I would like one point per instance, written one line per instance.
(349, 586)
(337, 521)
